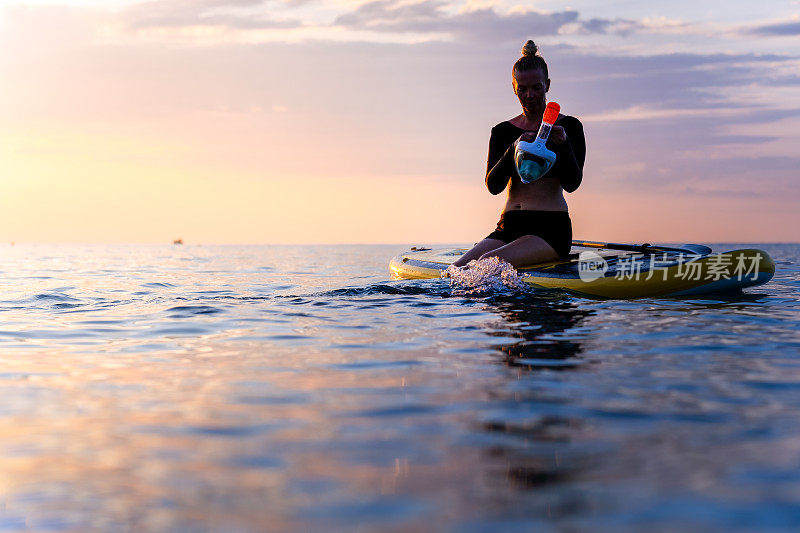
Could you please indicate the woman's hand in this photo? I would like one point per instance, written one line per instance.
(557, 135)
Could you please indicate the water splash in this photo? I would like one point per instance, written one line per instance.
(491, 275)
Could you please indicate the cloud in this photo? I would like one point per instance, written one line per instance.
(658, 86)
(232, 14)
(648, 113)
(608, 26)
(483, 24)
(742, 175)
(780, 29)
(384, 19)
(372, 101)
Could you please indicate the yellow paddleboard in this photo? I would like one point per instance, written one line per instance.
(641, 271)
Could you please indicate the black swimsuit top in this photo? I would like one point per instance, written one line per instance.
(570, 155)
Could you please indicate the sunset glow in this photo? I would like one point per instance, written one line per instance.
(366, 122)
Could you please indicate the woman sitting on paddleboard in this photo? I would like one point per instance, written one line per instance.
(535, 226)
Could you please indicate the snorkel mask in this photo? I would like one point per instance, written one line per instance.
(533, 159)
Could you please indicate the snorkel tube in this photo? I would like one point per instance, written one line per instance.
(533, 160)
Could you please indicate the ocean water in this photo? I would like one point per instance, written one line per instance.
(296, 388)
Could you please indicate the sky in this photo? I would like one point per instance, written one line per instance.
(339, 121)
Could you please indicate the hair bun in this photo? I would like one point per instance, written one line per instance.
(529, 49)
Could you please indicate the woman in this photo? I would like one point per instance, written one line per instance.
(535, 226)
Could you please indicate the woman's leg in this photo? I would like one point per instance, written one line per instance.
(527, 250)
(486, 245)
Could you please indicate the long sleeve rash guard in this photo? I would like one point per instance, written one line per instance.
(570, 155)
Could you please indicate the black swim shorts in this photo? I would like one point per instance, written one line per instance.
(555, 227)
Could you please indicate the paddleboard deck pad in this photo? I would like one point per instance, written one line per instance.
(687, 270)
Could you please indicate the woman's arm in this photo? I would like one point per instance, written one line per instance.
(499, 164)
(570, 155)
(499, 175)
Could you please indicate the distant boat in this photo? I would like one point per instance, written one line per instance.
(177, 241)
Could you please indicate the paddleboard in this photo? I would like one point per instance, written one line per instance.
(638, 271)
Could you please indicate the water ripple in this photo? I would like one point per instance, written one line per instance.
(247, 388)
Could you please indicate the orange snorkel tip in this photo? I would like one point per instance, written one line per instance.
(551, 113)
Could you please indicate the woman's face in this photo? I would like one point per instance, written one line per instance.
(530, 86)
